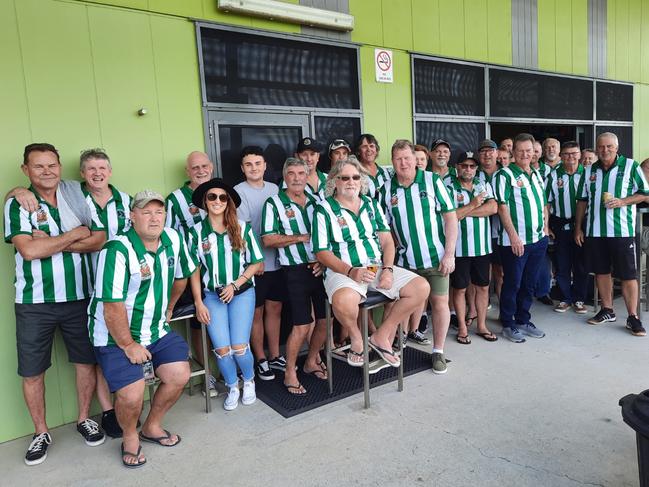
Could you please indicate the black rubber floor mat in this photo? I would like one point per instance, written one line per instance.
(347, 381)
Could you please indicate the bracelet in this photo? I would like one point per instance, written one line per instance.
(350, 271)
(388, 268)
(245, 277)
(234, 285)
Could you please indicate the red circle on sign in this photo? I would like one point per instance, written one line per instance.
(383, 60)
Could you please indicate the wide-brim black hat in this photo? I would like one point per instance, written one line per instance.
(198, 198)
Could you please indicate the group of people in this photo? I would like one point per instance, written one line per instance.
(108, 269)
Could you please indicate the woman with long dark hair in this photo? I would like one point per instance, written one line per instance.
(229, 255)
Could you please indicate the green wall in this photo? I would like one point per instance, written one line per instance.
(75, 72)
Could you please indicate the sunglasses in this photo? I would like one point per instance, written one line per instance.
(213, 197)
(355, 177)
(467, 166)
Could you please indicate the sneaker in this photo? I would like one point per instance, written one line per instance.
(562, 307)
(278, 363)
(439, 363)
(232, 401)
(110, 425)
(37, 449)
(249, 395)
(579, 307)
(546, 300)
(634, 324)
(604, 315)
(513, 334)
(395, 342)
(531, 330)
(418, 337)
(91, 432)
(263, 370)
(453, 322)
(423, 324)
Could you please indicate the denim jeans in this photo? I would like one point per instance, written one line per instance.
(230, 324)
(570, 267)
(520, 275)
(544, 278)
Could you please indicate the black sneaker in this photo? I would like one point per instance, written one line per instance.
(634, 324)
(423, 324)
(91, 432)
(263, 370)
(37, 449)
(278, 363)
(395, 342)
(110, 425)
(604, 315)
(547, 300)
(454, 323)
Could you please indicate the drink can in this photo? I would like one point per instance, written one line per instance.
(148, 373)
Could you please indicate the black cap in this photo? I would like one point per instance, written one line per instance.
(307, 143)
(467, 156)
(198, 197)
(439, 142)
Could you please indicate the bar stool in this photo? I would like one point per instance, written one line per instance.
(374, 300)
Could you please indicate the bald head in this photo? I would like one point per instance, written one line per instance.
(199, 168)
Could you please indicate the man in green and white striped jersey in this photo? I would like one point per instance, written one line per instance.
(421, 214)
(367, 150)
(286, 225)
(351, 238)
(475, 204)
(523, 240)
(52, 290)
(140, 276)
(561, 191)
(608, 194)
(440, 155)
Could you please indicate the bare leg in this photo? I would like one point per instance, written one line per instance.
(86, 383)
(128, 406)
(470, 301)
(459, 298)
(345, 306)
(318, 338)
(441, 316)
(257, 334)
(103, 393)
(293, 344)
(605, 289)
(34, 393)
(272, 324)
(481, 302)
(630, 294)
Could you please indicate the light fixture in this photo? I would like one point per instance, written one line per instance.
(289, 12)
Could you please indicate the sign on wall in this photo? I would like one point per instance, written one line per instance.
(383, 65)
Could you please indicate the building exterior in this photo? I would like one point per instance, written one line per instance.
(76, 73)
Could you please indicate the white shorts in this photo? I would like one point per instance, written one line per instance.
(334, 281)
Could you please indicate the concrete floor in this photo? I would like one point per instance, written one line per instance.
(542, 413)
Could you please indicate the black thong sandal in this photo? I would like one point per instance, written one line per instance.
(138, 463)
(463, 339)
(296, 390)
(469, 321)
(320, 373)
(383, 353)
(158, 440)
(489, 336)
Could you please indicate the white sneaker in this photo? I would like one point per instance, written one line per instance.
(232, 401)
(249, 395)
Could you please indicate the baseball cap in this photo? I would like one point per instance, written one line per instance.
(337, 144)
(439, 142)
(308, 143)
(143, 198)
(487, 144)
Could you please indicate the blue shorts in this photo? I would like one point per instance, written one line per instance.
(120, 372)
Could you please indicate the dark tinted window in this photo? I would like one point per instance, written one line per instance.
(329, 128)
(624, 137)
(259, 70)
(614, 101)
(462, 136)
(448, 89)
(518, 94)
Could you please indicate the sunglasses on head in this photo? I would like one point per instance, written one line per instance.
(355, 177)
(213, 197)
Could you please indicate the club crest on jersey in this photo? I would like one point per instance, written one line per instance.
(145, 270)
(193, 209)
(206, 245)
(520, 183)
(290, 213)
(593, 178)
(394, 200)
(171, 261)
(342, 222)
(460, 198)
(560, 183)
(423, 195)
(41, 216)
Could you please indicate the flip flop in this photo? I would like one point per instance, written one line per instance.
(320, 370)
(463, 339)
(469, 321)
(299, 388)
(489, 336)
(159, 439)
(350, 352)
(134, 455)
(383, 353)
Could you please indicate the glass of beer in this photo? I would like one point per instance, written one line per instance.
(374, 265)
(606, 197)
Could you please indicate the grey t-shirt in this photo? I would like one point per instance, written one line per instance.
(252, 202)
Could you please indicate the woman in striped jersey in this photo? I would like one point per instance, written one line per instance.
(229, 256)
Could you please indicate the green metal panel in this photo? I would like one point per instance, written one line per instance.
(499, 35)
(368, 22)
(374, 97)
(451, 28)
(641, 121)
(397, 31)
(425, 25)
(621, 51)
(398, 100)
(184, 8)
(476, 30)
(635, 41)
(563, 32)
(644, 47)
(580, 37)
(547, 35)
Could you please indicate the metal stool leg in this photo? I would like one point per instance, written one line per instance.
(400, 375)
(188, 334)
(366, 359)
(206, 367)
(329, 346)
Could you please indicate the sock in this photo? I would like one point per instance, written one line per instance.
(453, 312)
(437, 350)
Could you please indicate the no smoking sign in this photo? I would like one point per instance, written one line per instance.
(383, 65)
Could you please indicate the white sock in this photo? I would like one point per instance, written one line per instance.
(452, 312)
(437, 350)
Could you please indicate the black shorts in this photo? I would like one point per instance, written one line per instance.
(475, 269)
(35, 327)
(618, 253)
(270, 286)
(304, 292)
(494, 256)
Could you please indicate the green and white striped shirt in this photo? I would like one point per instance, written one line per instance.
(60, 278)
(561, 191)
(181, 212)
(383, 174)
(319, 192)
(352, 238)
(486, 179)
(524, 195)
(220, 263)
(415, 215)
(282, 216)
(474, 232)
(624, 178)
(142, 280)
(544, 169)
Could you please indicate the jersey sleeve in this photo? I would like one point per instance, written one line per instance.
(639, 181)
(582, 187)
(502, 187)
(96, 223)
(269, 219)
(16, 220)
(112, 275)
(379, 218)
(186, 262)
(442, 196)
(253, 247)
(320, 233)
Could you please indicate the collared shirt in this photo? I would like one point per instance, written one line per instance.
(545, 169)
(524, 195)
(319, 192)
(451, 173)
(415, 215)
(474, 232)
(487, 179)
(282, 216)
(127, 272)
(561, 191)
(624, 178)
(375, 183)
(182, 214)
(60, 278)
(220, 263)
(352, 238)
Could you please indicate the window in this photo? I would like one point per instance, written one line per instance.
(614, 101)
(461, 136)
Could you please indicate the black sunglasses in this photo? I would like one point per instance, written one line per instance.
(213, 197)
(355, 177)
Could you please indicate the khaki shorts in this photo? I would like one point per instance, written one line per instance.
(436, 280)
(334, 281)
